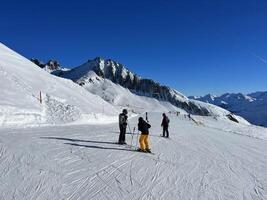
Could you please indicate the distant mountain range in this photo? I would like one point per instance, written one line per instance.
(51, 66)
(253, 107)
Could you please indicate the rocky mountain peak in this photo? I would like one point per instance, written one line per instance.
(120, 74)
(53, 65)
(50, 66)
(38, 62)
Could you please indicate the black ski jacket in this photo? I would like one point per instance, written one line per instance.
(165, 121)
(143, 126)
(123, 119)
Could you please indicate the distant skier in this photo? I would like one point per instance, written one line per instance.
(123, 125)
(165, 125)
(146, 117)
(143, 126)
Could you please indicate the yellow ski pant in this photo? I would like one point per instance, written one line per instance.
(144, 143)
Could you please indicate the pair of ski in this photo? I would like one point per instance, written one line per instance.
(144, 152)
(135, 149)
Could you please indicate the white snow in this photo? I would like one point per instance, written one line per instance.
(253, 107)
(83, 162)
(122, 97)
(21, 82)
(75, 155)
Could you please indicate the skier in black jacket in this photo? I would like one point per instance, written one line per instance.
(143, 126)
(123, 125)
(165, 125)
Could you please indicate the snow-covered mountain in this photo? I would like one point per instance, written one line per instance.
(52, 66)
(119, 74)
(63, 101)
(99, 99)
(123, 97)
(252, 107)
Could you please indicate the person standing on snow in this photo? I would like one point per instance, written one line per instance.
(143, 126)
(123, 125)
(165, 125)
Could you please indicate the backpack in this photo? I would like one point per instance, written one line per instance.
(122, 119)
(167, 120)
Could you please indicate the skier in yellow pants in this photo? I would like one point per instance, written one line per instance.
(143, 126)
(144, 143)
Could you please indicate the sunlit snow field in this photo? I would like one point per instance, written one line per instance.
(84, 162)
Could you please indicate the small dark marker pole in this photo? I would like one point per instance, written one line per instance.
(40, 97)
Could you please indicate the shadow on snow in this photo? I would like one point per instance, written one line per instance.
(78, 140)
(89, 141)
(99, 147)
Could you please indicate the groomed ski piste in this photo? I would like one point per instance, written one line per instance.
(66, 147)
(84, 162)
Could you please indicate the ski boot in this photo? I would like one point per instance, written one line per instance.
(121, 142)
(148, 150)
(141, 150)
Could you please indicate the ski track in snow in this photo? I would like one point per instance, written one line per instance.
(83, 162)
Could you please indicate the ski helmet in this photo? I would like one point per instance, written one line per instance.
(125, 111)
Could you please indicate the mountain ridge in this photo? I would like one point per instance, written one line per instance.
(119, 74)
(252, 106)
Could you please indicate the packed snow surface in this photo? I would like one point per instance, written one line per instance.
(199, 161)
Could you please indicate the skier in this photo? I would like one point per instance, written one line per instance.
(165, 125)
(143, 126)
(123, 125)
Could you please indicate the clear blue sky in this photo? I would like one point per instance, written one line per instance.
(197, 47)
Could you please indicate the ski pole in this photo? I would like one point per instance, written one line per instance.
(129, 128)
(132, 137)
(137, 140)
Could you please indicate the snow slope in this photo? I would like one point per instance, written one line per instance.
(83, 162)
(253, 107)
(122, 97)
(63, 101)
(119, 74)
(114, 83)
